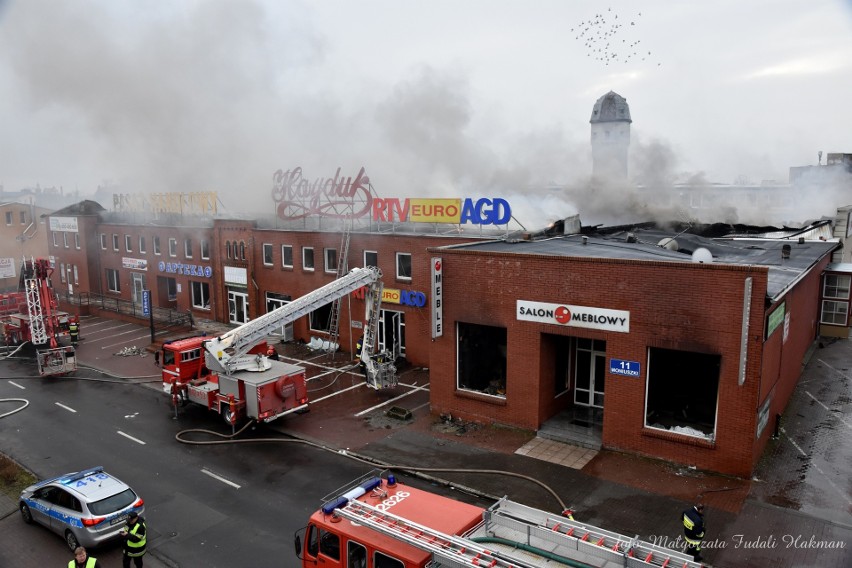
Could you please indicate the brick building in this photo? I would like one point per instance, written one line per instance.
(683, 349)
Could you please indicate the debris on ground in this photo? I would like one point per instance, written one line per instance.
(131, 351)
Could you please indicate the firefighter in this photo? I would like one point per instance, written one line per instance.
(359, 346)
(272, 353)
(693, 530)
(134, 540)
(74, 331)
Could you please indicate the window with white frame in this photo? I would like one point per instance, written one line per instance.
(55, 239)
(200, 295)
(371, 258)
(187, 248)
(403, 266)
(142, 247)
(157, 245)
(307, 258)
(62, 272)
(115, 242)
(8, 217)
(287, 256)
(834, 312)
(267, 254)
(76, 275)
(330, 255)
(128, 245)
(836, 286)
(103, 241)
(23, 217)
(242, 250)
(172, 246)
(113, 284)
(205, 249)
(65, 240)
(77, 241)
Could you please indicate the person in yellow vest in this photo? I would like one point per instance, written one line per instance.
(134, 540)
(83, 560)
(74, 331)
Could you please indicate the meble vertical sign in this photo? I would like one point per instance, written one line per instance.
(437, 298)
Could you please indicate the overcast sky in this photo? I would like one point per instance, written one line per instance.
(437, 97)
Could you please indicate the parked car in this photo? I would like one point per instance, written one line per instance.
(86, 508)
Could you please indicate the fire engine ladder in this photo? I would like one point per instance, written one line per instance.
(342, 268)
(38, 330)
(381, 370)
(228, 352)
(562, 536)
(447, 550)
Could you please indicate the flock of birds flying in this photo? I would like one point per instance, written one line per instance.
(603, 36)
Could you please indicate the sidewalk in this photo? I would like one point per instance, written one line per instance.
(623, 493)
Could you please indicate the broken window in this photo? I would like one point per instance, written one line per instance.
(682, 392)
(482, 358)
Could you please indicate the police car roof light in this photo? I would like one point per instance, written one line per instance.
(81, 474)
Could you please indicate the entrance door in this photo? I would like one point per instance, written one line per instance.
(392, 333)
(590, 373)
(138, 281)
(238, 307)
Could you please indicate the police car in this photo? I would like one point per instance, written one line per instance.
(86, 507)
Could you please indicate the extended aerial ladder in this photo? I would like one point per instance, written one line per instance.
(342, 268)
(229, 352)
(540, 536)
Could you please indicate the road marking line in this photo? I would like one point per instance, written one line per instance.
(387, 402)
(129, 437)
(68, 408)
(219, 478)
(336, 393)
(17, 385)
(832, 412)
(816, 467)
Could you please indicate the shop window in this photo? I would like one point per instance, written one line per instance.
(115, 242)
(320, 318)
(307, 258)
(267, 254)
(128, 246)
(113, 284)
(682, 392)
(157, 245)
(836, 287)
(403, 266)
(371, 258)
(287, 256)
(834, 312)
(142, 248)
(205, 250)
(330, 259)
(200, 295)
(482, 358)
(172, 246)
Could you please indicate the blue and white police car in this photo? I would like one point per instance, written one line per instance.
(87, 507)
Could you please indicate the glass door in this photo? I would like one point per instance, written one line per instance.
(590, 372)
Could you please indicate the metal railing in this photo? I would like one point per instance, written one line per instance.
(163, 317)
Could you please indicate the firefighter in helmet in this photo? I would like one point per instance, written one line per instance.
(74, 331)
(271, 353)
(693, 530)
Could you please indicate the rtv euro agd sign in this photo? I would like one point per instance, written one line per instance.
(574, 316)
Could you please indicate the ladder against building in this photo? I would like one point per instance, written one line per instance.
(342, 269)
(530, 536)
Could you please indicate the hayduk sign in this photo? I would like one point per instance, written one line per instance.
(574, 316)
(297, 197)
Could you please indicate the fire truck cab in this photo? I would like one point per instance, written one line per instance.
(335, 542)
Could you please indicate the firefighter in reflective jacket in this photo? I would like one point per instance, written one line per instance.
(134, 540)
(693, 530)
(359, 345)
(74, 331)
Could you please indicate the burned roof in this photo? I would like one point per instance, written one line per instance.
(786, 259)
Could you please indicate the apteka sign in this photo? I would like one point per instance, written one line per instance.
(574, 316)
(297, 197)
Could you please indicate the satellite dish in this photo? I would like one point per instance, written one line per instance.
(669, 244)
(702, 256)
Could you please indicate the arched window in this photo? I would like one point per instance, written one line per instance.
(242, 251)
(228, 249)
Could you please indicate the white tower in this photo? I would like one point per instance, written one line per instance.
(610, 136)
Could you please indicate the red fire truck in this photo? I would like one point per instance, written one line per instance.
(232, 375)
(32, 315)
(377, 522)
